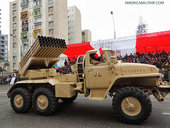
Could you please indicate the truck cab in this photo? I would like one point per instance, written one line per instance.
(106, 75)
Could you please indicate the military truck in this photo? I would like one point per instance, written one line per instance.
(130, 84)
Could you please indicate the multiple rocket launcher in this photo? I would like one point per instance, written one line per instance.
(42, 54)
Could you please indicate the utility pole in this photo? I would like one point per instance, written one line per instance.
(113, 24)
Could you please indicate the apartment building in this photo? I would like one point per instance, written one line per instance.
(86, 36)
(0, 20)
(32, 18)
(74, 25)
(3, 48)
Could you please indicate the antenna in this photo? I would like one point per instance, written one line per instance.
(142, 27)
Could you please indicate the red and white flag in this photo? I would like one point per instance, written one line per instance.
(99, 53)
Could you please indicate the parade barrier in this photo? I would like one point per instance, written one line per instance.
(43, 54)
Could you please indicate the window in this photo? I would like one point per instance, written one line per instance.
(24, 1)
(14, 6)
(38, 19)
(50, 2)
(24, 8)
(37, 12)
(25, 29)
(14, 51)
(14, 45)
(37, 2)
(25, 22)
(14, 58)
(14, 32)
(14, 12)
(51, 16)
(24, 15)
(51, 31)
(14, 25)
(50, 9)
(37, 32)
(14, 19)
(37, 26)
(14, 38)
(51, 24)
(14, 65)
(95, 60)
(24, 36)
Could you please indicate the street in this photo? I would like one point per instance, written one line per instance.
(81, 113)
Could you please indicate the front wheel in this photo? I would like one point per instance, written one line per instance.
(131, 105)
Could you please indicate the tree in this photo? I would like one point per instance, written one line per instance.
(6, 64)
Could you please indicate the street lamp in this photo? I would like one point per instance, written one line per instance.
(113, 24)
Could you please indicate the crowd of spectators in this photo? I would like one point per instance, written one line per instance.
(160, 59)
(67, 66)
(7, 79)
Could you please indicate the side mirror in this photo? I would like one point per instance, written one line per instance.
(113, 59)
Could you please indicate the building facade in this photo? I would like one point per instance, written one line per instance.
(86, 36)
(74, 25)
(3, 47)
(32, 18)
(0, 20)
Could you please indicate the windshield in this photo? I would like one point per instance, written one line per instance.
(110, 53)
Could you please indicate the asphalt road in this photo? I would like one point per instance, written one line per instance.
(83, 113)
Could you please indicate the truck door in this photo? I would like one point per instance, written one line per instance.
(97, 75)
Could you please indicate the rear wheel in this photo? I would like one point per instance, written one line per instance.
(131, 105)
(69, 100)
(21, 100)
(44, 101)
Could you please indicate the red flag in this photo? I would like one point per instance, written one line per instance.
(99, 53)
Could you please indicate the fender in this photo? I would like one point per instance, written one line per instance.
(24, 83)
(131, 76)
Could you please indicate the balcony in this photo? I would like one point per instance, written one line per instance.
(37, 12)
(25, 23)
(37, 32)
(37, 20)
(25, 29)
(37, 4)
(24, 15)
(24, 3)
(24, 36)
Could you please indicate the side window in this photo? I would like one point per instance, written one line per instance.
(97, 60)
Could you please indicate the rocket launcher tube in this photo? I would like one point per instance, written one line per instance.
(43, 50)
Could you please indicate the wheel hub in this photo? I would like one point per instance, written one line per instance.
(18, 101)
(42, 102)
(131, 106)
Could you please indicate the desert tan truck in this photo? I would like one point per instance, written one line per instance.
(129, 84)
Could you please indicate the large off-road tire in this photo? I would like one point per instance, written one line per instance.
(131, 105)
(21, 101)
(69, 100)
(44, 101)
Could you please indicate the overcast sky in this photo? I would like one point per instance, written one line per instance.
(95, 15)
